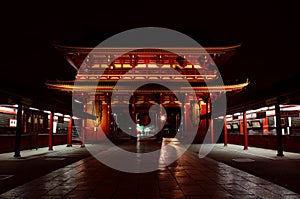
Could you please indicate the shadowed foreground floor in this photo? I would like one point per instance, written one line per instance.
(188, 177)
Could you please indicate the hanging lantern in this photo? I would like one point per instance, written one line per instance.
(134, 60)
(159, 60)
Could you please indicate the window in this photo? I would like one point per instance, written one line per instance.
(248, 125)
(256, 124)
(271, 121)
(235, 126)
(228, 126)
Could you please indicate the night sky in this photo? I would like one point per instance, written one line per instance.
(267, 30)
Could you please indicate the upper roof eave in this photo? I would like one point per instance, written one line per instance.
(107, 50)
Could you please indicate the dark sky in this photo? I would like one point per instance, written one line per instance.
(267, 30)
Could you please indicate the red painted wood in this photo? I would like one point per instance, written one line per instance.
(245, 131)
(69, 140)
(225, 133)
(50, 143)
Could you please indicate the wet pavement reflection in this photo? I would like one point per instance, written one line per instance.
(189, 177)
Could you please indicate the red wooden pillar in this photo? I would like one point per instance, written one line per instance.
(109, 110)
(206, 112)
(69, 138)
(50, 144)
(212, 133)
(265, 126)
(241, 127)
(186, 115)
(83, 133)
(160, 134)
(225, 133)
(133, 114)
(245, 131)
(83, 124)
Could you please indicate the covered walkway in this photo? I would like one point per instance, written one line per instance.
(188, 177)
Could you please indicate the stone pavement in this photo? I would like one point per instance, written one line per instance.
(251, 152)
(36, 163)
(189, 177)
(264, 163)
(32, 153)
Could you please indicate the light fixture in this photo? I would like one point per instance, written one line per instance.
(206, 63)
(159, 60)
(163, 118)
(134, 60)
(111, 61)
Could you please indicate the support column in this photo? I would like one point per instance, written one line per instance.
(185, 113)
(241, 127)
(160, 134)
(50, 143)
(278, 131)
(133, 114)
(109, 110)
(225, 132)
(18, 131)
(212, 132)
(83, 127)
(69, 138)
(206, 113)
(265, 126)
(83, 132)
(245, 131)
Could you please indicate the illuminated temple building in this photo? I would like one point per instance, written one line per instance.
(104, 68)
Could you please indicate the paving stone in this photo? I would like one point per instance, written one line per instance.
(78, 194)
(189, 177)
